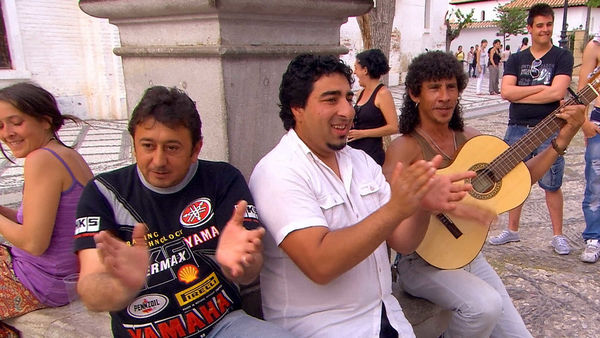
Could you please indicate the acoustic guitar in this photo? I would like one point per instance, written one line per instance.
(502, 183)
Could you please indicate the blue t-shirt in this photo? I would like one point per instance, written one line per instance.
(531, 72)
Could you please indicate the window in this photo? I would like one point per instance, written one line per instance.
(4, 52)
(12, 61)
(482, 16)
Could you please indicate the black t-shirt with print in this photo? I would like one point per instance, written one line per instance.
(185, 293)
(556, 61)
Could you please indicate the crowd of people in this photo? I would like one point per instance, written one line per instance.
(480, 59)
(164, 244)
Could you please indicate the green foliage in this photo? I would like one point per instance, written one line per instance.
(593, 3)
(512, 21)
(460, 19)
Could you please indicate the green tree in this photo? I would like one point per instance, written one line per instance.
(511, 21)
(455, 22)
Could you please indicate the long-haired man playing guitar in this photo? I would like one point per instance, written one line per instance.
(431, 123)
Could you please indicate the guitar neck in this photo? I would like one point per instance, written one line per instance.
(509, 159)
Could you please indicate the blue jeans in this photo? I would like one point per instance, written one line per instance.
(552, 179)
(591, 196)
(239, 324)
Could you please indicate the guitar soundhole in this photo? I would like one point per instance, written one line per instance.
(484, 184)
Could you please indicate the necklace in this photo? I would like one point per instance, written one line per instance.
(433, 143)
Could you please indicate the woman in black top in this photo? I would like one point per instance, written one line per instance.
(376, 114)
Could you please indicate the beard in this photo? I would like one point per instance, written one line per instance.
(336, 147)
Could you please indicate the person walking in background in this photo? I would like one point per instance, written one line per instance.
(470, 59)
(375, 110)
(591, 129)
(534, 82)
(505, 56)
(482, 61)
(475, 56)
(460, 55)
(524, 44)
(493, 65)
(41, 229)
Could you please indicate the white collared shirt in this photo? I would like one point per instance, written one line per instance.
(293, 189)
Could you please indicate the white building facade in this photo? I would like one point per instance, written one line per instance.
(54, 44)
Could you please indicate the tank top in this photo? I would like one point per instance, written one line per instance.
(368, 116)
(43, 275)
(483, 58)
(428, 151)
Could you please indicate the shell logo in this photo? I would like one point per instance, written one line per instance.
(187, 273)
(196, 213)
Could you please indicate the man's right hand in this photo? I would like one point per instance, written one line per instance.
(128, 264)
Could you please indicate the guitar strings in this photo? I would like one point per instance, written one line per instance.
(523, 147)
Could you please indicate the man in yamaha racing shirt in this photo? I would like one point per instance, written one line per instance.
(157, 241)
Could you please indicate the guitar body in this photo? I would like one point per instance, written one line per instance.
(440, 247)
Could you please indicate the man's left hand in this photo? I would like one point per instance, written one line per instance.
(574, 116)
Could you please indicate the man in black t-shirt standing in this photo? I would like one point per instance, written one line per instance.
(157, 243)
(534, 82)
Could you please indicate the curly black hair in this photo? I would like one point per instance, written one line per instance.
(297, 82)
(375, 62)
(430, 66)
(169, 106)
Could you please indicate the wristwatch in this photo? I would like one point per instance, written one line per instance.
(560, 152)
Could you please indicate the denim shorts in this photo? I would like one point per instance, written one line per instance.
(552, 179)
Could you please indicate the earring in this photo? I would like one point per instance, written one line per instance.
(416, 104)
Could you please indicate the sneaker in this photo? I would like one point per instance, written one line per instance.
(504, 237)
(560, 244)
(591, 252)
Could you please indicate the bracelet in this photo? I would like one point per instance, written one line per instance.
(560, 152)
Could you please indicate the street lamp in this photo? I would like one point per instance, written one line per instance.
(563, 33)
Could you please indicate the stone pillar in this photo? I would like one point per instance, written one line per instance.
(228, 55)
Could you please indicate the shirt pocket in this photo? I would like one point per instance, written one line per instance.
(369, 193)
(332, 206)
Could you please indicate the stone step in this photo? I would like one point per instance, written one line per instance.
(72, 320)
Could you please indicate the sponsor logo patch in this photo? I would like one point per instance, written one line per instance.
(198, 290)
(251, 212)
(87, 225)
(147, 305)
(196, 213)
(187, 273)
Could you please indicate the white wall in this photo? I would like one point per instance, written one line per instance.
(67, 52)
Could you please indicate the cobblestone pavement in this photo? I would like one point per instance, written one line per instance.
(558, 296)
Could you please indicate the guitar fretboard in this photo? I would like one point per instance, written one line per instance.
(512, 156)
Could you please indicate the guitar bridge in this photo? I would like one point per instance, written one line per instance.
(454, 230)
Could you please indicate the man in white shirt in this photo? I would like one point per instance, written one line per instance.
(329, 212)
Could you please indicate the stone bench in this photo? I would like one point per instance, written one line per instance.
(67, 321)
(427, 319)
